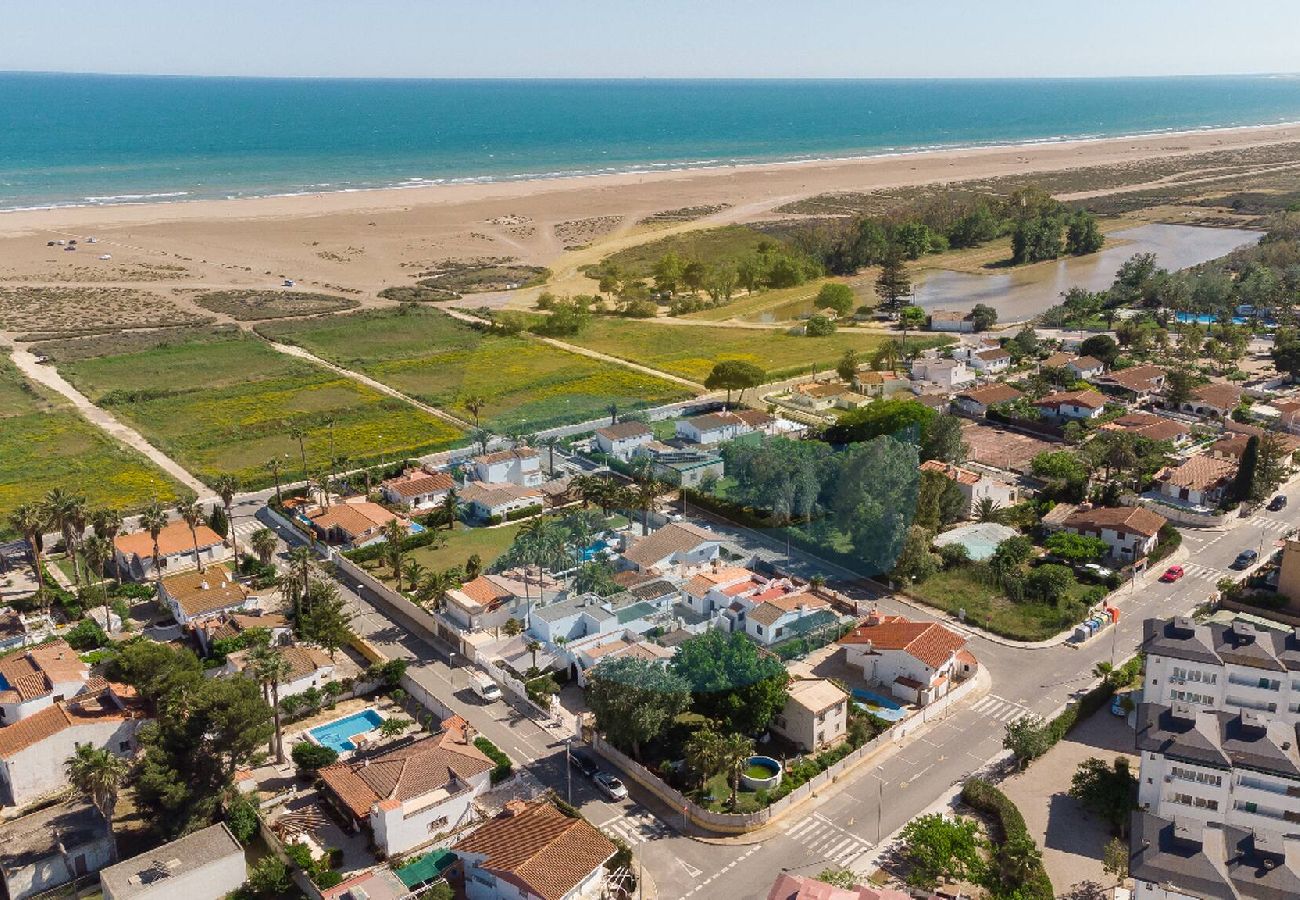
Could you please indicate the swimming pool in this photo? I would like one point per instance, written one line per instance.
(337, 735)
(885, 708)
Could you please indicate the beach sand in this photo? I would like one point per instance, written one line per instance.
(362, 242)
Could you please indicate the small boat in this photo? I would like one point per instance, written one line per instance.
(107, 256)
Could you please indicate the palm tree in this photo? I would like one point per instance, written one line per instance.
(647, 492)
(612, 409)
(98, 552)
(988, 510)
(300, 562)
(532, 646)
(451, 508)
(106, 522)
(394, 535)
(299, 434)
(475, 406)
(30, 520)
(154, 520)
(702, 753)
(59, 504)
(290, 588)
(273, 466)
(413, 571)
(78, 515)
(227, 487)
(263, 543)
(270, 668)
(550, 442)
(482, 437)
(734, 751)
(99, 775)
(192, 513)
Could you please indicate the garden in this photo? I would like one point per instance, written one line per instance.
(220, 402)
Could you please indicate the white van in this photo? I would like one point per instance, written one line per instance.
(485, 687)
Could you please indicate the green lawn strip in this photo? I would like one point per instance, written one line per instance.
(986, 606)
(461, 543)
(719, 788)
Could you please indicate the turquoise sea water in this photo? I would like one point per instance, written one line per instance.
(87, 139)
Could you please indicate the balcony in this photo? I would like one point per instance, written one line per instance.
(1265, 684)
(1257, 705)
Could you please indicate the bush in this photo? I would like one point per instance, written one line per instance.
(309, 757)
(525, 512)
(268, 878)
(504, 768)
(819, 326)
(1264, 600)
(241, 817)
(409, 543)
(1167, 542)
(86, 635)
(1008, 827)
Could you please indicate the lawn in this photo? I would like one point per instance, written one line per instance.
(224, 403)
(463, 542)
(986, 606)
(44, 443)
(527, 384)
(691, 351)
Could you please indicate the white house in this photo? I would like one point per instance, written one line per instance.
(520, 466)
(714, 428)
(816, 714)
(1073, 405)
(485, 602)
(232, 625)
(486, 501)
(54, 846)
(680, 545)
(193, 597)
(951, 320)
(1213, 401)
(872, 383)
(1199, 481)
(1086, 367)
(976, 401)
(586, 653)
(308, 668)
(990, 361)
(355, 522)
(681, 467)
(37, 678)
(916, 661)
(205, 865)
(565, 855)
(621, 439)
(1175, 858)
(974, 486)
(414, 793)
(416, 489)
(33, 752)
(1139, 384)
(587, 614)
(777, 615)
(948, 374)
(1131, 532)
(713, 590)
(133, 553)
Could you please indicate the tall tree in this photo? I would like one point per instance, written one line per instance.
(30, 520)
(475, 404)
(451, 508)
(192, 514)
(263, 543)
(299, 434)
(730, 681)
(273, 466)
(227, 487)
(634, 700)
(270, 669)
(98, 551)
(154, 520)
(734, 751)
(1243, 485)
(734, 375)
(99, 774)
(60, 507)
(893, 283)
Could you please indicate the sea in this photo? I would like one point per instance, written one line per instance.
(90, 140)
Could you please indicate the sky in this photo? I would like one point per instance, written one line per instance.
(654, 38)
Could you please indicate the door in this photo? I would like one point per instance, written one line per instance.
(79, 865)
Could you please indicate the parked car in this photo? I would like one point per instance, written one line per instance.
(1277, 503)
(1172, 574)
(584, 762)
(1096, 572)
(610, 786)
(1245, 559)
(485, 687)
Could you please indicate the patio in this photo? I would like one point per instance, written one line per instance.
(308, 819)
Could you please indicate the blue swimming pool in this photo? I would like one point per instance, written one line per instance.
(337, 735)
(885, 708)
(416, 528)
(590, 552)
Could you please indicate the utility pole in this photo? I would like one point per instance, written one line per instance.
(880, 807)
(568, 771)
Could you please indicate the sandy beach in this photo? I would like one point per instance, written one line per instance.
(364, 241)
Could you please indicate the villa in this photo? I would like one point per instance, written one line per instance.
(879, 384)
(976, 401)
(308, 668)
(487, 501)
(133, 553)
(816, 714)
(1212, 401)
(481, 603)
(710, 592)
(1131, 532)
(37, 679)
(1073, 405)
(680, 545)
(681, 467)
(1152, 427)
(521, 466)
(416, 489)
(621, 439)
(917, 661)
(195, 597)
(951, 320)
(948, 374)
(974, 486)
(780, 614)
(991, 361)
(233, 624)
(1139, 384)
(1086, 367)
(354, 523)
(1200, 481)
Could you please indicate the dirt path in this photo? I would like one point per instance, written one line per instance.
(49, 377)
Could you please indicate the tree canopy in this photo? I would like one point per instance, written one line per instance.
(836, 296)
(734, 375)
(634, 700)
(902, 417)
(730, 681)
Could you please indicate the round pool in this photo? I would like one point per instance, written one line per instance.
(762, 773)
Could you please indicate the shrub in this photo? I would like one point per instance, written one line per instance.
(819, 326)
(504, 768)
(86, 635)
(309, 757)
(241, 817)
(268, 878)
(1008, 828)
(525, 512)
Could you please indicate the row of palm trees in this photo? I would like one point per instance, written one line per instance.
(70, 515)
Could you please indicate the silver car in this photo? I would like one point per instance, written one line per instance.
(610, 786)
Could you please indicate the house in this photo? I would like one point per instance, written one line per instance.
(681, 545)
(13, 630)
(37, 678)
(382, 883)
(991, 361)
(587, 614)
(951, 320)
(681, 467)
(52, 847)
(917, 661)
(948, 374)
(1131, 532)
(1151, 427)
(820, 396)
(1086, 367)
(411, 794)
(1072, 405)
(715, 428)
(1236, 435)
(33, 751)
(1172, 858)
(1058, 360)
(974, 486)
(621, 439)
(879, 384)
(416, 489)
(1212, 401)
(521, 466)
(802, 887)
(587, 653)
(133, 553)
(1138, 384)
(231, 625)
(976, 401)
(308, 668)
(815, 715)
(481, 603)
(532, 851)
(1288, 415)
(355, 523)
(711, 591)
(781, 614)
(194, 597)
(497, 501)
(205, 865)
(1199, 481)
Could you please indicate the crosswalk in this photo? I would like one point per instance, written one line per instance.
(1209, 573)
(1275, 526)
(998, 709)
(636, 826)
(244, 530)
(828, 840)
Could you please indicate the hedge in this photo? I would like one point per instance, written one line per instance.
(1085, 706)
(1008, 823)
(504, 768)
(409, 543)
(524, 512)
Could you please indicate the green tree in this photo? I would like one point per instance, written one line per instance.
(819, 326)
(734, 375)
(1028, 738)
(1076, 547)
(835, 296)
(893, 283)
(730, 681)
(848, 364)
(269, 668)
(1082, 236)
(1108, 791)
(99, 774)
(634, 700)
(912, 318)
(264, 543)
(1243, 484)
(944, 440)
(898, 416)
(30, 520)
(1102, 347)
(916, 562)
(155, 670)
(309, 757)
(192, 515)
(1286, 357)
(324, 618)
(987, 510)
(983, 317)
(1050, 583)
(1114, 859)
(734, 751)
(703, 753)
(942, 849)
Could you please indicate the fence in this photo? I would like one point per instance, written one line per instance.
(1177, 514)
(407, 614)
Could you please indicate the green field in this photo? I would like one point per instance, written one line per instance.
(691, 351)
(428, 355)
(708, 245)
(223, 403)
(459, 545)
(45, 444)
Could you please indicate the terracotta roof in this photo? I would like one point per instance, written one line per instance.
(799, 887)
(266, 620)
(494, 495)
(33, 729)
(992, 393)
(1221, 396)
(711, 421)
(34, 672)
(928, 642)
(992, 354)
(538, 847)
(955, 473)
(1128, 519)
(815, 694)
(203, 592)
(174, 538)
(678, 537)
(500, 456)
(410, 771)
(59, 661)
(1057, 360)
(1086, 362)
(822, 389)
(353, 519)
(1137, 378)
(702, 583)
(1085, 399)
(1199, 473)
(303, 661)
(622, 431)
(1151, 427)
(415, 483)
(770, 611)
(485, 592)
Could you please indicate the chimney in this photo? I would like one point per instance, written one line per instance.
(203, 585)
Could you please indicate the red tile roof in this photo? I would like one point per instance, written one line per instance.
(1085, 399)
(929, 642)
(1127, 519)
(990, 394)
(174, 538)
(413, 484)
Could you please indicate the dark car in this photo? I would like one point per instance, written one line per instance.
(1277, 503)
(1245, 559)
(584, 762)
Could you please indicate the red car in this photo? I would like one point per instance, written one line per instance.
(1172, 574)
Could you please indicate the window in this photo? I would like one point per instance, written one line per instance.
(124, 746)
(438, 824)
(1198, 777)
(759, 629)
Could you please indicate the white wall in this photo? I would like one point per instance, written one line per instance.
(53, 871)
(209, 881)
(39, 769)
(399, 830)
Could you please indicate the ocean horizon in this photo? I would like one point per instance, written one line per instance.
(96, 140)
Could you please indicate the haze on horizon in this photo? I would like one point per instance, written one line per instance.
(674, 38)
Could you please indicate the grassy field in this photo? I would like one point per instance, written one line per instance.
(428, 355)
(251, 306)
(225, 402)
(45, 444)
(461, 543)
(708, 244)
(691, 351)
(956, 589)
